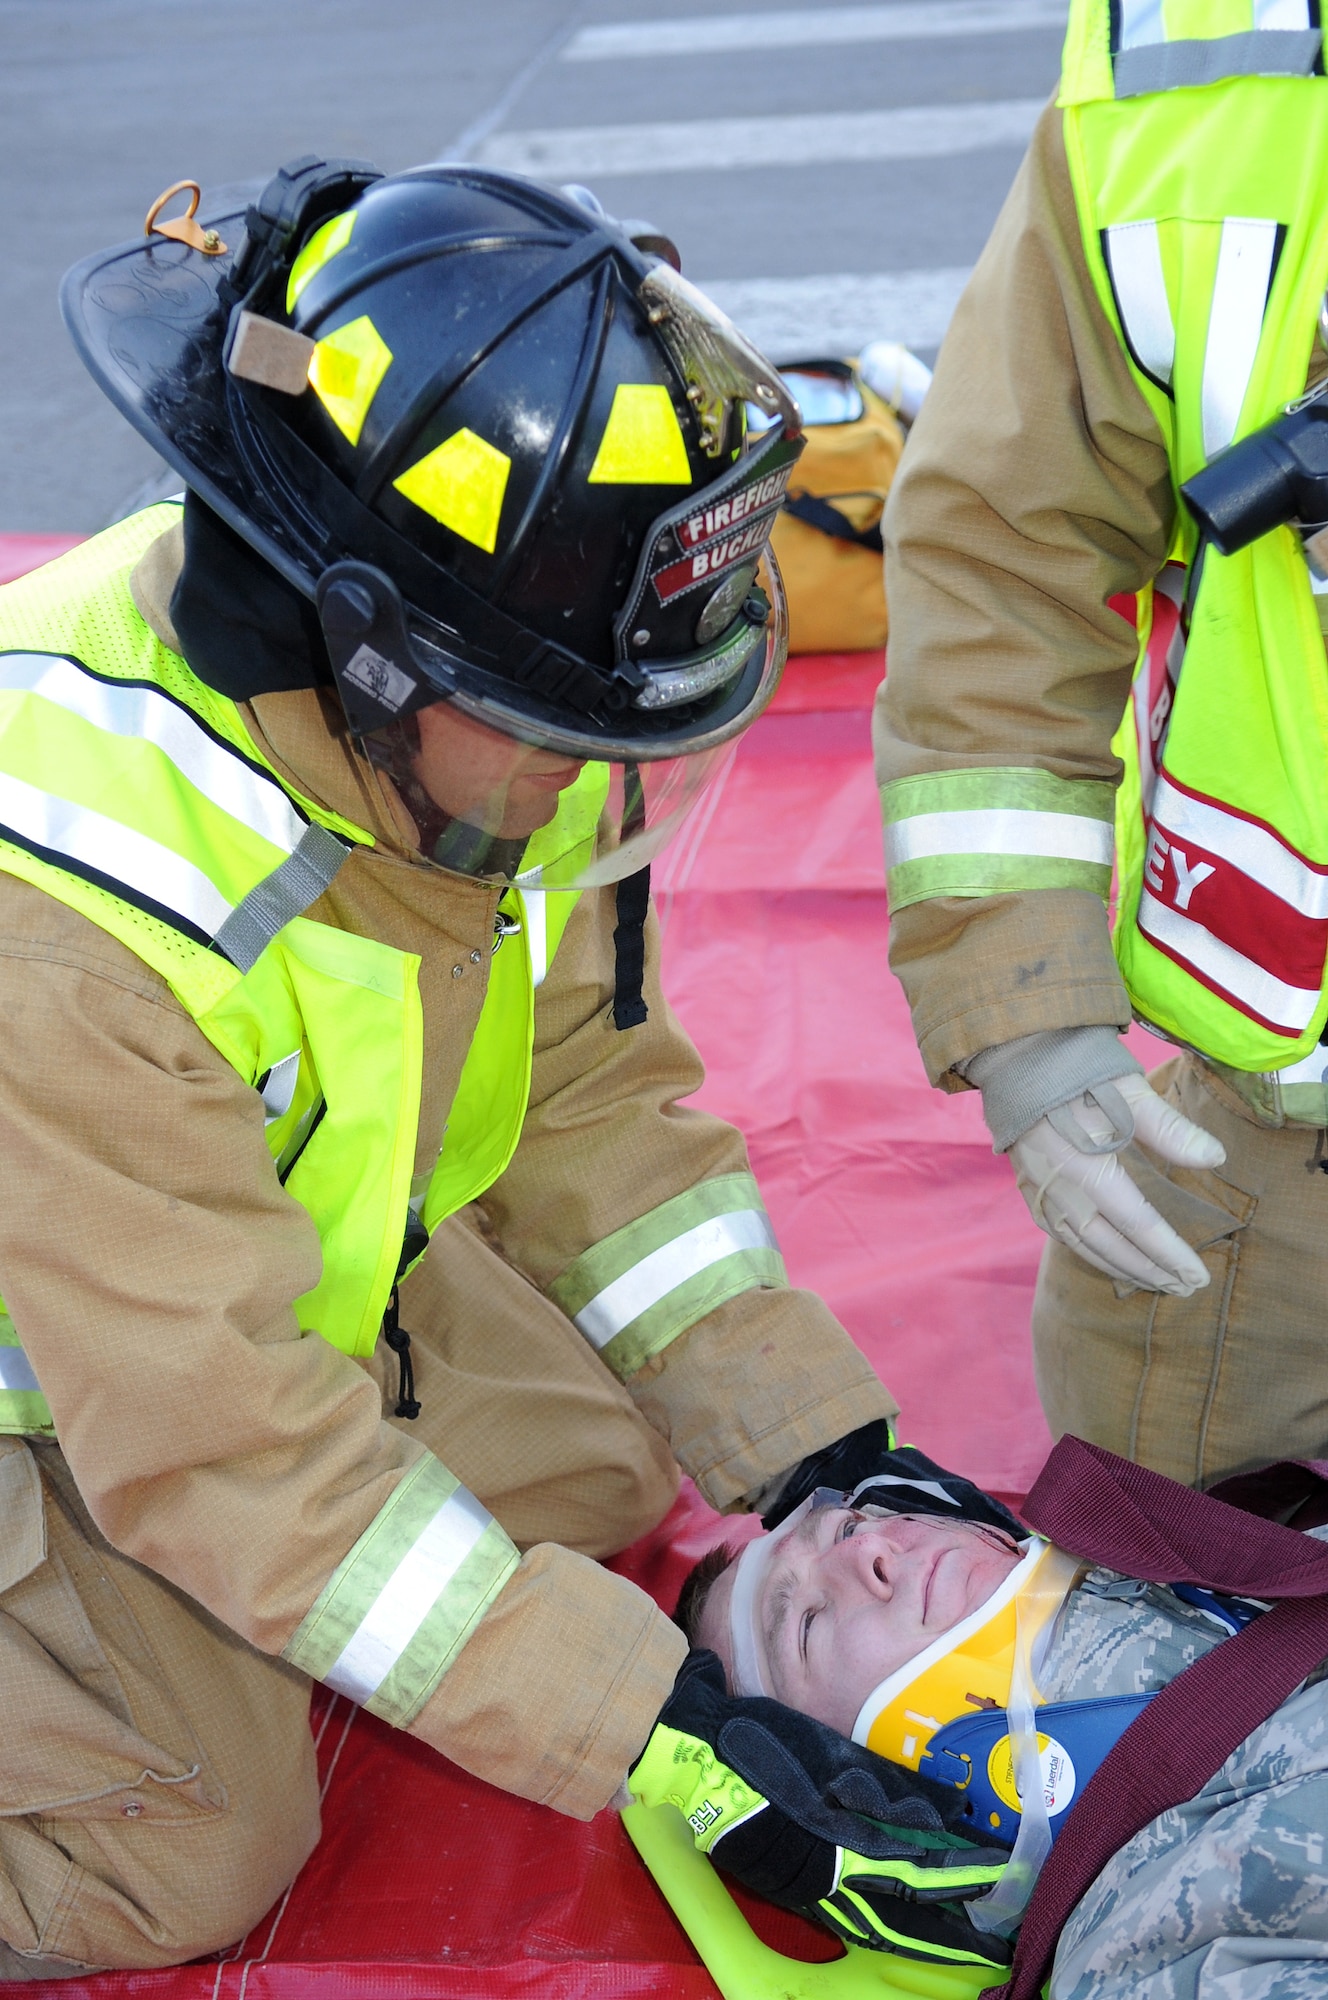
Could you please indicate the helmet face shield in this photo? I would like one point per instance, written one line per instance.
(534, 808)
(645, 807)
(488, 806)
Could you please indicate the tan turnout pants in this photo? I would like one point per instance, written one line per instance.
(157, 1782)
(1237, 1374)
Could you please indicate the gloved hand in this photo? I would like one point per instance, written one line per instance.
(1063, 1105)
(805, 1818)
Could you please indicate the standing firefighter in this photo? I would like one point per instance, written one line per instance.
(325, 812)
(1150, 295)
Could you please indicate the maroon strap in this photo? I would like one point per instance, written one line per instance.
(1108, 1511)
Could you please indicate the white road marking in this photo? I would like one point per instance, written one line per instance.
(840, 312)
(915, 132)
(807, 27)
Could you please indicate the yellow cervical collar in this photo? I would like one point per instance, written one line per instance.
(970, 1666)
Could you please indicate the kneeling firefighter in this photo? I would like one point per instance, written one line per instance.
(332, 1008)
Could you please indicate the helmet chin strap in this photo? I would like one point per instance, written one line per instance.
(373, 662)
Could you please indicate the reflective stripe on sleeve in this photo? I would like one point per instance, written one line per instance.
(664, 1270)
(397, 1611)
(641, 1287)
(1134, 265)
(988, 832)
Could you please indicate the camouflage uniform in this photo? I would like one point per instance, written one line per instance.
(1225, 1898)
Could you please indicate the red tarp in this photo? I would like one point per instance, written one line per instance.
(886, 1199)
(20, 553)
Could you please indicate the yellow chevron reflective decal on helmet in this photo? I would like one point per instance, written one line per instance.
(642, 444)
(461, 483)
(345, 372)
(321, 248)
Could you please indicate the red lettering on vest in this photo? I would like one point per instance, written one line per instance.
(1253, 895)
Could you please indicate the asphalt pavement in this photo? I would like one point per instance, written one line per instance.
(829, 173)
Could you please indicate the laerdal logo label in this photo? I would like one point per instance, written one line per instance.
(1055, 1766)
(708, 562)
(708, 522)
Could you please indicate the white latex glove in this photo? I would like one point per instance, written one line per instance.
(1078, 1191)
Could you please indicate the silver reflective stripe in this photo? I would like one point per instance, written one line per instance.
(1244, 844)
(408, 1596)
(660, 1273)
(16, 1370)
(113, 851)
(1286, 14)
(222, 775)
(537, 931)
(278, 1090)
(1260, 992)
(1134, 262)
(1312, 1068)
(1240, 293)
(286, 893)
(1138, 71)
(1141, 23)
(1000, 830)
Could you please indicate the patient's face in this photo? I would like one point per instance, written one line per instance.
(848, 1599)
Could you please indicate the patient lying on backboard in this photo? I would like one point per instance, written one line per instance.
(890, 1615)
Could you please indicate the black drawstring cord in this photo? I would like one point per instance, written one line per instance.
(629, 950)
(399, 1341)
(632, 908)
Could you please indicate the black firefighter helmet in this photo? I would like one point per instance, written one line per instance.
(499, 442)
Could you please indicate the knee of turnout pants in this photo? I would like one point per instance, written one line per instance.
(157, 1780)
(520, 1407)
(1235, 1375)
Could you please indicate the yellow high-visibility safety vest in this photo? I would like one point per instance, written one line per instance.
(132, 792)
(1197, 138)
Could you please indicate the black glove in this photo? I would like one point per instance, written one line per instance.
(809, 1820)
(902, 1479)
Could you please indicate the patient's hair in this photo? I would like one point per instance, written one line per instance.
(700, 1581)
